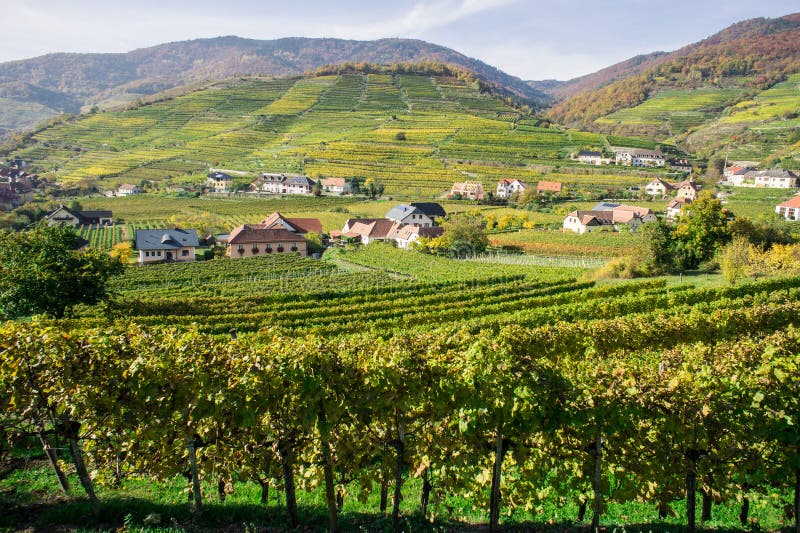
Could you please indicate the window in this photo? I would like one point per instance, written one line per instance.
(147, 254)
(185, 253)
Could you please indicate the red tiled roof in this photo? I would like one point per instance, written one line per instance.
(301, 225)
(792, 202)
(257, 233)
(552, 186)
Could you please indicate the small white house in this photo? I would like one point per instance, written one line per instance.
(590, 157)
(220, 182)
(336, 186)
(790, 210)
(128, 190)
(507, 188)
(658, 187)
(410, 214)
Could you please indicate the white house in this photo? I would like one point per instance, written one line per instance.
(128, 190)
(790, 210)
(675, 207)
(608, 215)
(336, 186)
(300, 185)
(687, 190)
(771, 179)
(166, 245)
(412, 215)
(271, 184)
(506, 188)
(406, 235)
(590, 157)
(658, 187)
(637, 157)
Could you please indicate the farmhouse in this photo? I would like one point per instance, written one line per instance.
(639, 158)
(299, 226)
(379, 229)
(675, 207)
(413, 215)
(406, 235)
(680, 165)
(790, 210)
(128, 190)
(687, 190)
(336, 186)
(219, 182)
(469, 190)
(554, 187)
(166, 245)
(735, 170)
(270, 184)
(590, 157)
(249, 240)
(300, 185)
(506, 188)
(772, 179)
(658, 187)
(432, 210)
(65, 216)
(608, 215)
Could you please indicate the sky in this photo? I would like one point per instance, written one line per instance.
(531, 39)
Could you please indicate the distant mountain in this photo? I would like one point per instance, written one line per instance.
(58, 83)
(737, 90)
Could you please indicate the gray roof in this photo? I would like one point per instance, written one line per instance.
(432, 209)
(604, 206)
(401, 211)
(165, 239)
(220, 176)
(301, 180)
(589, 153)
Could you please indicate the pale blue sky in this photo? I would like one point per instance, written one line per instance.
(531, 39)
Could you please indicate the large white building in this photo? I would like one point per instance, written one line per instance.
(637, 157)
(768, 179)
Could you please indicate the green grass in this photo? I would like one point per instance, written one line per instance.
(31, 500)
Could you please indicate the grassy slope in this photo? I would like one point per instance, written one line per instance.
(341, 126)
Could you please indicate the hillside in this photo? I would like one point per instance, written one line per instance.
(417, 133)
(670, 95)
(66, 82)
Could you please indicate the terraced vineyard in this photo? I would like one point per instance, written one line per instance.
(417, 134)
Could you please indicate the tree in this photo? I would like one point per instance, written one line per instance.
(658, 254)
(700, 232)
(463, 235)
(373, 188)
(735, 259)
(41, 271)
(122, 252)
(314, 243)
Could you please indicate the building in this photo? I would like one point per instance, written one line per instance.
(770, 179)
(790, 210)
(658, 187)
(590, 157)
(65, 216)
(553, 187)
(300, 185)
(432, 210)
(735, 170)
(220, 182)
(270, 184)
(637, 157)
(166, 245)
(613, 216)
(299, 226)
(336, 186)
(687, 190)
(680, 165)
(250, 240)
(407, 235)
(128, 190)
(469, 190)
(675, 207)
(379, 229)
(506, 188)
(410, 214)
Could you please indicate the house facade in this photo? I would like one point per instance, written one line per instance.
(64, 216)
(128, 190)
(637, 157)
(675, 207)
(658, 187)
(220, 182)
(687, 190)
(166, 245)
(608, 215)
(336, 186)
(507, 187)
(251, 240)
(407, 235)
(409, 214)
(590, 157)
(680, 165)
(768, 179)
(300, 185)
(790, 210)
(468, 190)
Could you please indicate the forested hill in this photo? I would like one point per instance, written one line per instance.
(57, 83)
(753, 54)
